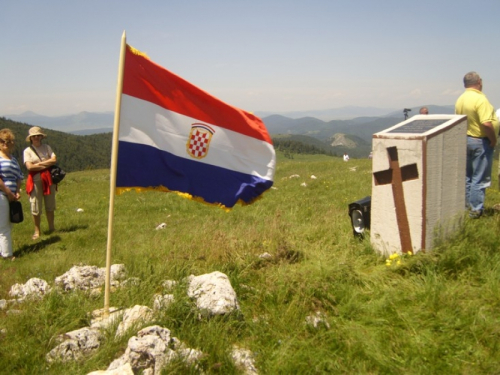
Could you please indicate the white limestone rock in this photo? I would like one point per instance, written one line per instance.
(266, 256)
(318, 319)
(161, 226)
(131, 281)
(75, 345)
(213, 293)
(102, 319)
(126, 369)
(162, 302)
(169, 285)
(89, 277)
(244, 359)
(117, 272)
(152, 349)
(134, 316)
(34, 287)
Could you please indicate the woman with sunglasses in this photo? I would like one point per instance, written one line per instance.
(38, 159)
(10, 182)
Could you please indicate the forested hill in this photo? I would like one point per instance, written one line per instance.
(81, 152)
(74, 152)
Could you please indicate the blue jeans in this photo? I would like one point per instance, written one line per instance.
(478, 175)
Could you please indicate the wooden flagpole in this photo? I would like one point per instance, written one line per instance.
(112, 180)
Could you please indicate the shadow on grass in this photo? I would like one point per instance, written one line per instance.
(72, 228)
(491, 211)
(36, 246)
(40, 244)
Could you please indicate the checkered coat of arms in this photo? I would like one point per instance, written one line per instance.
(199, 140)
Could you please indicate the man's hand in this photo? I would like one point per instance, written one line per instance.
(490, 133)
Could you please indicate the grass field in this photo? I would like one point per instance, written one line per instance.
(435, 313)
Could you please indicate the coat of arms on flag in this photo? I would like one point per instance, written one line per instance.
(199, 140)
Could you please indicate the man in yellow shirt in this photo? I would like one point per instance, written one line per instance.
(482, 131)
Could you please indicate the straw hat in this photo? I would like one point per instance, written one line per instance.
(35, 130)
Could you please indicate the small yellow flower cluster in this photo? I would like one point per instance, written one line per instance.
(396, 259)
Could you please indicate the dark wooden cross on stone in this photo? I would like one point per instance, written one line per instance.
(395, 176)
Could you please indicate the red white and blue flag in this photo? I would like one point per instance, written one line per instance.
(174, 136)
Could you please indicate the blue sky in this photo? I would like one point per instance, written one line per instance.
(61, 57)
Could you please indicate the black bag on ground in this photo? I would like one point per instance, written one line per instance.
(16, 212)
(57, 174)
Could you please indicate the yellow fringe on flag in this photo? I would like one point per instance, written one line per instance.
(120, 191)
(137, 52)
(163, 189)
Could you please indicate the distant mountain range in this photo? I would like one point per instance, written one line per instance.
(342, 113)
(362, 127)
(83, 140)
(85, 123)
(354, 131)
(353, 136)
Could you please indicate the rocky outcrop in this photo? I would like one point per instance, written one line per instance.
(213, 293)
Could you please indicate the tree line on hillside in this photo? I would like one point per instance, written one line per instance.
(290, 147)
(83, 152)
(297, 144)
(74, 152)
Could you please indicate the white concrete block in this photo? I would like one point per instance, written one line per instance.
(418, 184)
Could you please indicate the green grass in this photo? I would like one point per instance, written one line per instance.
(436, 313)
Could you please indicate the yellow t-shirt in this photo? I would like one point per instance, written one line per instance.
(474, 104)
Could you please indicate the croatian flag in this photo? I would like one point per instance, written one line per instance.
(175, 137)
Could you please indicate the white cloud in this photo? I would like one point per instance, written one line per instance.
(451, 92)
(416, 93)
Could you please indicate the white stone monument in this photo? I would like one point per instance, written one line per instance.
(418, 184)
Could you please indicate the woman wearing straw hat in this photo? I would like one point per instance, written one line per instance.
(38, 159)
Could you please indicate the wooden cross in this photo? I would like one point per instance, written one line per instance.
(395, 176)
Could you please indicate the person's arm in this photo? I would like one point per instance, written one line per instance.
(490, 133)
(10, 195)
(50, 162)
(53, 159)
(18, 194)
(33, 162)
(39, 166)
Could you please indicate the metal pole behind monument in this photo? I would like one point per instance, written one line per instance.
(112, 180)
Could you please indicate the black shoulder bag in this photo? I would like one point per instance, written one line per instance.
(16, 212)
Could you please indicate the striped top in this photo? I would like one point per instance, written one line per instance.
(10, 172)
